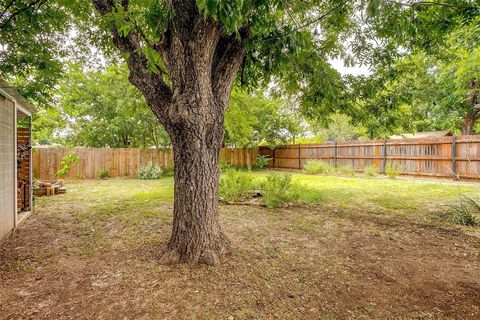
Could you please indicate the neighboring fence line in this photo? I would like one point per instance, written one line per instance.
(120, 162)
(447, 157)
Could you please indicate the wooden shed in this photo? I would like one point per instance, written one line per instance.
(15, 159)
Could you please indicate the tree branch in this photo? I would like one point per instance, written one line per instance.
(226, 62)
(309, 23)
(431, 3)
(20, 10)
(157, 94)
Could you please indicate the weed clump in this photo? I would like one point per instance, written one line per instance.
(393, 170)
(466, 212)
(150, 172)
(104, 174)
(347, 171)
(318, 167)
(279, 190)
(235, 185)
(370, 171)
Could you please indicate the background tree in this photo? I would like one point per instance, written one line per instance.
(253, 119)
(417, 52)
(102, 109)
(33, 36)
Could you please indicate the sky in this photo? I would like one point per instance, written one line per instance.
(340, 67)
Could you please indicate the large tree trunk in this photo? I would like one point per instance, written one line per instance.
(196, 234)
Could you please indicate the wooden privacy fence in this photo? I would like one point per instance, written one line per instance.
(119, 162)
(447, 157)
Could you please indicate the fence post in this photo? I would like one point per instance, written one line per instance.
(384, 164)
(273, 155)
(335, 153)
(454, 158)
(299, 160)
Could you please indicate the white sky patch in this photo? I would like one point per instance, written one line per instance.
(357, 70)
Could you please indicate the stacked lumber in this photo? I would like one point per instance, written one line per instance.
(23, 168)
(48, 188)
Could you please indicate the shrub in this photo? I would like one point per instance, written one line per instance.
(346, 171)
(150, 172)
(66, 163)
(262, 162)
(235, 185)
(104, 174)
(318, 167)
(393, 170)
(279, 190)
(168, 171)
(225, 166)
(370, 171)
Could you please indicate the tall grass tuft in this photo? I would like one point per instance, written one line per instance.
(318, 167)
(370, 171)
(393, 170)
(466, 212)
(347, 171)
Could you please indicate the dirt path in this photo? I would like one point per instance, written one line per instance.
(288, 264)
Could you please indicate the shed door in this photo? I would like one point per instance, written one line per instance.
(7, 166)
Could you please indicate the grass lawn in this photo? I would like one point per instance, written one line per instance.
(374, 249)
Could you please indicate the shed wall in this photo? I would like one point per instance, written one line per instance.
(7, 166)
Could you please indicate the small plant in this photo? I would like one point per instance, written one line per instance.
(393, 170)
(66, 163)
(370, 171)
(225, 166)
(168, 170)
(277, 190)
(318, 167)
(346, 171)
(104, 174)
(235, 185)
(150, 172)
(262, 162)
(465, 213)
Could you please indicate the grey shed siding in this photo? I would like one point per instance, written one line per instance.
(7, 166)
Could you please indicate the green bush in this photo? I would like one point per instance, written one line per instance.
(169, 170)
(262, 162)
(104, 174)
(346, 171)
(393, 170)
(279, 190)
(317, 167)
(236, 185)
(370, 171)
(150, 172)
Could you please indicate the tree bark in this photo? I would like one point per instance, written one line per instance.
(467, 126)
(196, 234)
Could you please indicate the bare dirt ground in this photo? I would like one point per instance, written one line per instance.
(80, 257)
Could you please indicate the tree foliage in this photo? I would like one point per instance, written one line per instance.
(102, 109)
